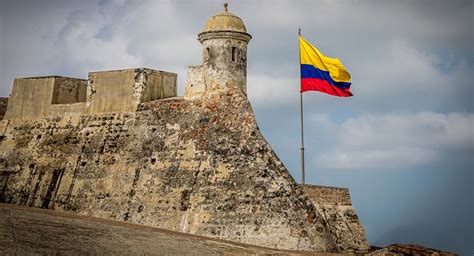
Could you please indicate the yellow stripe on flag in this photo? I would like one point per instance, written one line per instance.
(311, 56)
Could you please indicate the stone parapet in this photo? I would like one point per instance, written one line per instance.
(104, 92)
(124, 90)
(334, 205)
(32, 97)
(328, 195)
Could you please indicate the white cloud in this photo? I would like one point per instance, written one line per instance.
(266, 90)
(396, 141)
(400, 76)
(380, 159)
(388, 58)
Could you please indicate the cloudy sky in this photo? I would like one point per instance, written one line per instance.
(403, 145)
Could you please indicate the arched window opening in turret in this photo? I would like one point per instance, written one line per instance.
(233, 54)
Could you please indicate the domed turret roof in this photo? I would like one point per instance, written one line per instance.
(225, 21)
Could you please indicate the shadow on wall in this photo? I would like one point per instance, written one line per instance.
(3, 106)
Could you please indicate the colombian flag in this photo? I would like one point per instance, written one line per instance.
(321, 73)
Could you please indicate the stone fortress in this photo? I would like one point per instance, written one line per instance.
(122, 146)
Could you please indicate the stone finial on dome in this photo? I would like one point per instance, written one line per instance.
(225, 21)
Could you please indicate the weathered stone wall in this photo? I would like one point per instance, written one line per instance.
(69, 90)
(68, 110)
(3, 106)
(30, 98)
(199, 166)
(104, 92)
(225, 61)
(328, 195)
(335, 206)
(39, 97)
(159, 85)
(224, 64)
(195, 86)
(124, 90)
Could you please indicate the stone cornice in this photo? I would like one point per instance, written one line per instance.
(224, 34)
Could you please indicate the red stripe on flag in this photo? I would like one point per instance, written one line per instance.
(315, 84)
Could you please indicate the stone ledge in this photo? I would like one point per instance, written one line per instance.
(50, 76)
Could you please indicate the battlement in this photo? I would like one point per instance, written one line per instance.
(103, 92)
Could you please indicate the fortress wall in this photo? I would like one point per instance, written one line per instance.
(328, 195)
(334, 205)
(30, 98)
(160, 85)
(200, 167)
(105, 92)
(124, 90)
(195, 85)
(34, 97)
(67, 90)
(3, 106)
(111, 91)
(66, 110)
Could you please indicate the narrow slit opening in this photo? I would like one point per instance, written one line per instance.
(233, 54)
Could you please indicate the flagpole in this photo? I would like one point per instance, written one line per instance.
(301, 115)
